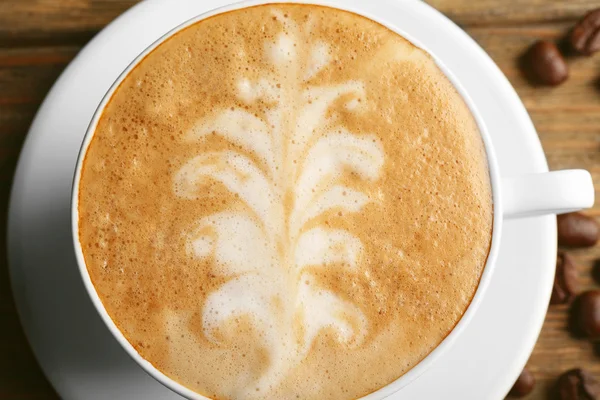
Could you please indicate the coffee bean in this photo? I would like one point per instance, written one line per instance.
(577, 230)
(585, 314)
(545, 64)
(585, 37)
(597, 348)
(577, 384)
(596, 271)
(524, 384)
(565, 280)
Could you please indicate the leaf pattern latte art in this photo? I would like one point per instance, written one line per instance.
(285, 169)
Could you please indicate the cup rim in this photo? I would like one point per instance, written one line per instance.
(493, 170)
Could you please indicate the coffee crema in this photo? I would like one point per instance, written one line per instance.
(285, 201)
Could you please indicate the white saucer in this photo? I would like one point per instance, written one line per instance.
(76, 350)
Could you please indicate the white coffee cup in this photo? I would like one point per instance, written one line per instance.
(513, 197)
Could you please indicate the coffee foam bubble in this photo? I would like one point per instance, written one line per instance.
(285, 201)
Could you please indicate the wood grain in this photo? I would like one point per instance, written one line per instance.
(39, 37)
(512, 12)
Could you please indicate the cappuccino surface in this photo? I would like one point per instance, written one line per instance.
(285, 202)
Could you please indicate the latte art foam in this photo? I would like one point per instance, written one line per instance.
(285, 202)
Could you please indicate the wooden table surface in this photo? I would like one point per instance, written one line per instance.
(38, 38)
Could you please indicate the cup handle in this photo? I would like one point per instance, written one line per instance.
(556, 192)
